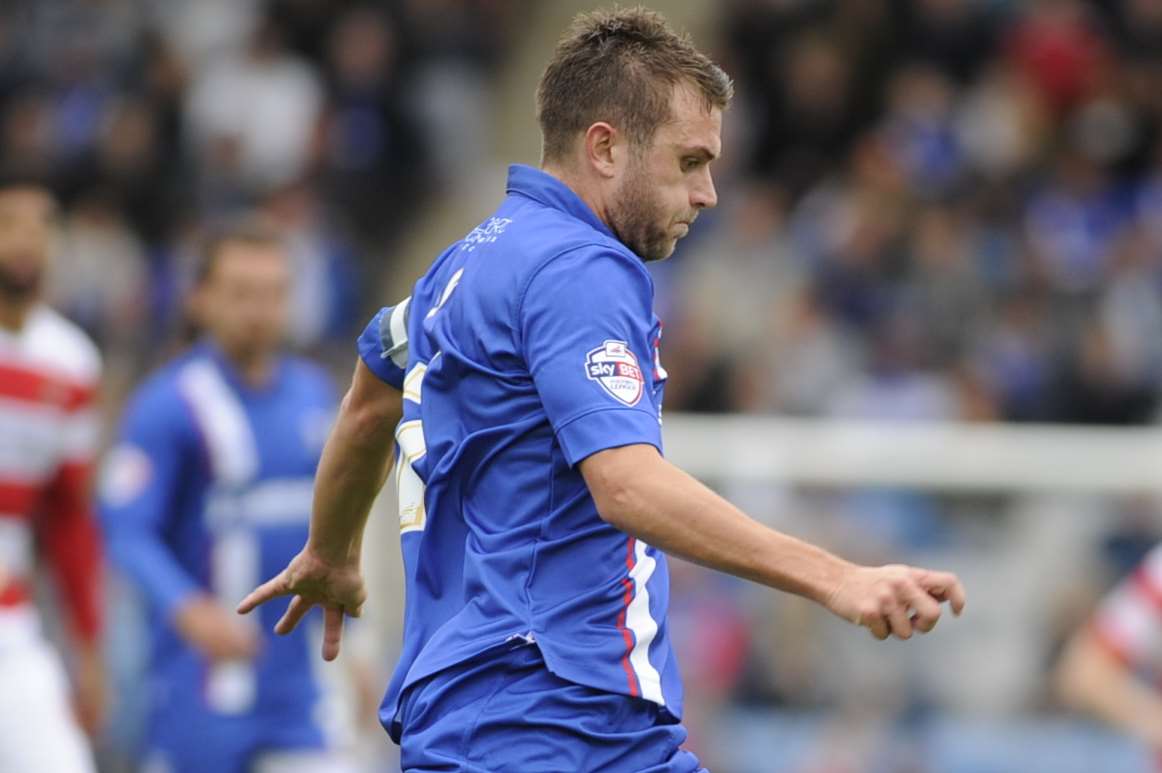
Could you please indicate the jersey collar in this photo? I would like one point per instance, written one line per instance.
(548, 190)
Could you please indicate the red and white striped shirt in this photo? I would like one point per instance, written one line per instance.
(1128, 622)
(49, 373)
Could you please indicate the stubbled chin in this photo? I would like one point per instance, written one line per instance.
(663, 255)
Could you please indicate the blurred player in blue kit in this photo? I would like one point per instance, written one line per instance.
(207, 491)
(536, 507)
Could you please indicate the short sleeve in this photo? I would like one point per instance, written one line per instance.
(585, 322)
(383, 344)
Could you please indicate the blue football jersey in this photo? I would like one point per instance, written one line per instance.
(526, 347)
(208, 490)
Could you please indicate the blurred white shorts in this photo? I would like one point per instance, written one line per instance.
(38, 730)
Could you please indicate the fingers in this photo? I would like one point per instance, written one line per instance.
(900, 624)
(272, 588)
(901, 601)
(878, 626)
(294, 613)
(925, 609)
(332, 632)
(945, 586)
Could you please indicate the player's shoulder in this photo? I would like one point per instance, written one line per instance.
(60, 345)
(159, 394)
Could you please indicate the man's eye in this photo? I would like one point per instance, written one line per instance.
(690, 163)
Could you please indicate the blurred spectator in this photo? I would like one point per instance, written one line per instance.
(207, 29)
(1057, 46)
(26, 137)
(373, 148)
(324, 289)
(101, 277)
(955, 36)
(253, 116)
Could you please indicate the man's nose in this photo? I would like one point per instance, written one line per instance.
(704, 196)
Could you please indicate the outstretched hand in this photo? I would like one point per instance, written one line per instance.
(338, 589)
(895, 599)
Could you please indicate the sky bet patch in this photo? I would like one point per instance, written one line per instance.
(615, 368)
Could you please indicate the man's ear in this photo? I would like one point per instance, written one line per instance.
(601, 148)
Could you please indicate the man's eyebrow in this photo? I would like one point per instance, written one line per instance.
(703, 152)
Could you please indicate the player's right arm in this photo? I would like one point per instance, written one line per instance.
(352, 470)
(137, 495)
(1098, 671)
(642, 494)
(585, 326)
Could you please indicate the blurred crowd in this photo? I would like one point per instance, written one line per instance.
(929, 210)
(155, 119)
(936, 209)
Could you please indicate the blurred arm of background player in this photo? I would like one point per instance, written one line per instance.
(352, 470)
(69, 544)
(1104, 668)
(1092, 678)
(642, 494)
(138, 487)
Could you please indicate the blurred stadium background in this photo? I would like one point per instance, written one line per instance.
(940, 230)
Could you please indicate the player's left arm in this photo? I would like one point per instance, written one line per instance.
(69, 541)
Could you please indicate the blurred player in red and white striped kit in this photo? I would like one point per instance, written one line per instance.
(49, 373)
(1112, 667)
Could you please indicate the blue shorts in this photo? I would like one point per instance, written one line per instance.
(507, 713)
(186, 737)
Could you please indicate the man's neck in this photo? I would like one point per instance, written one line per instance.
(583, 191)
(13, 314)
(255, 369)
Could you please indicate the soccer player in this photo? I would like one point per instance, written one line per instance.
(536, 508)
(207, 491)
(49, 373)
(1113, 666)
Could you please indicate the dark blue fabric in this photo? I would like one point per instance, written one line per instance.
(505, 712)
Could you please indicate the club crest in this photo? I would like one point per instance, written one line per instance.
(616, 369)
